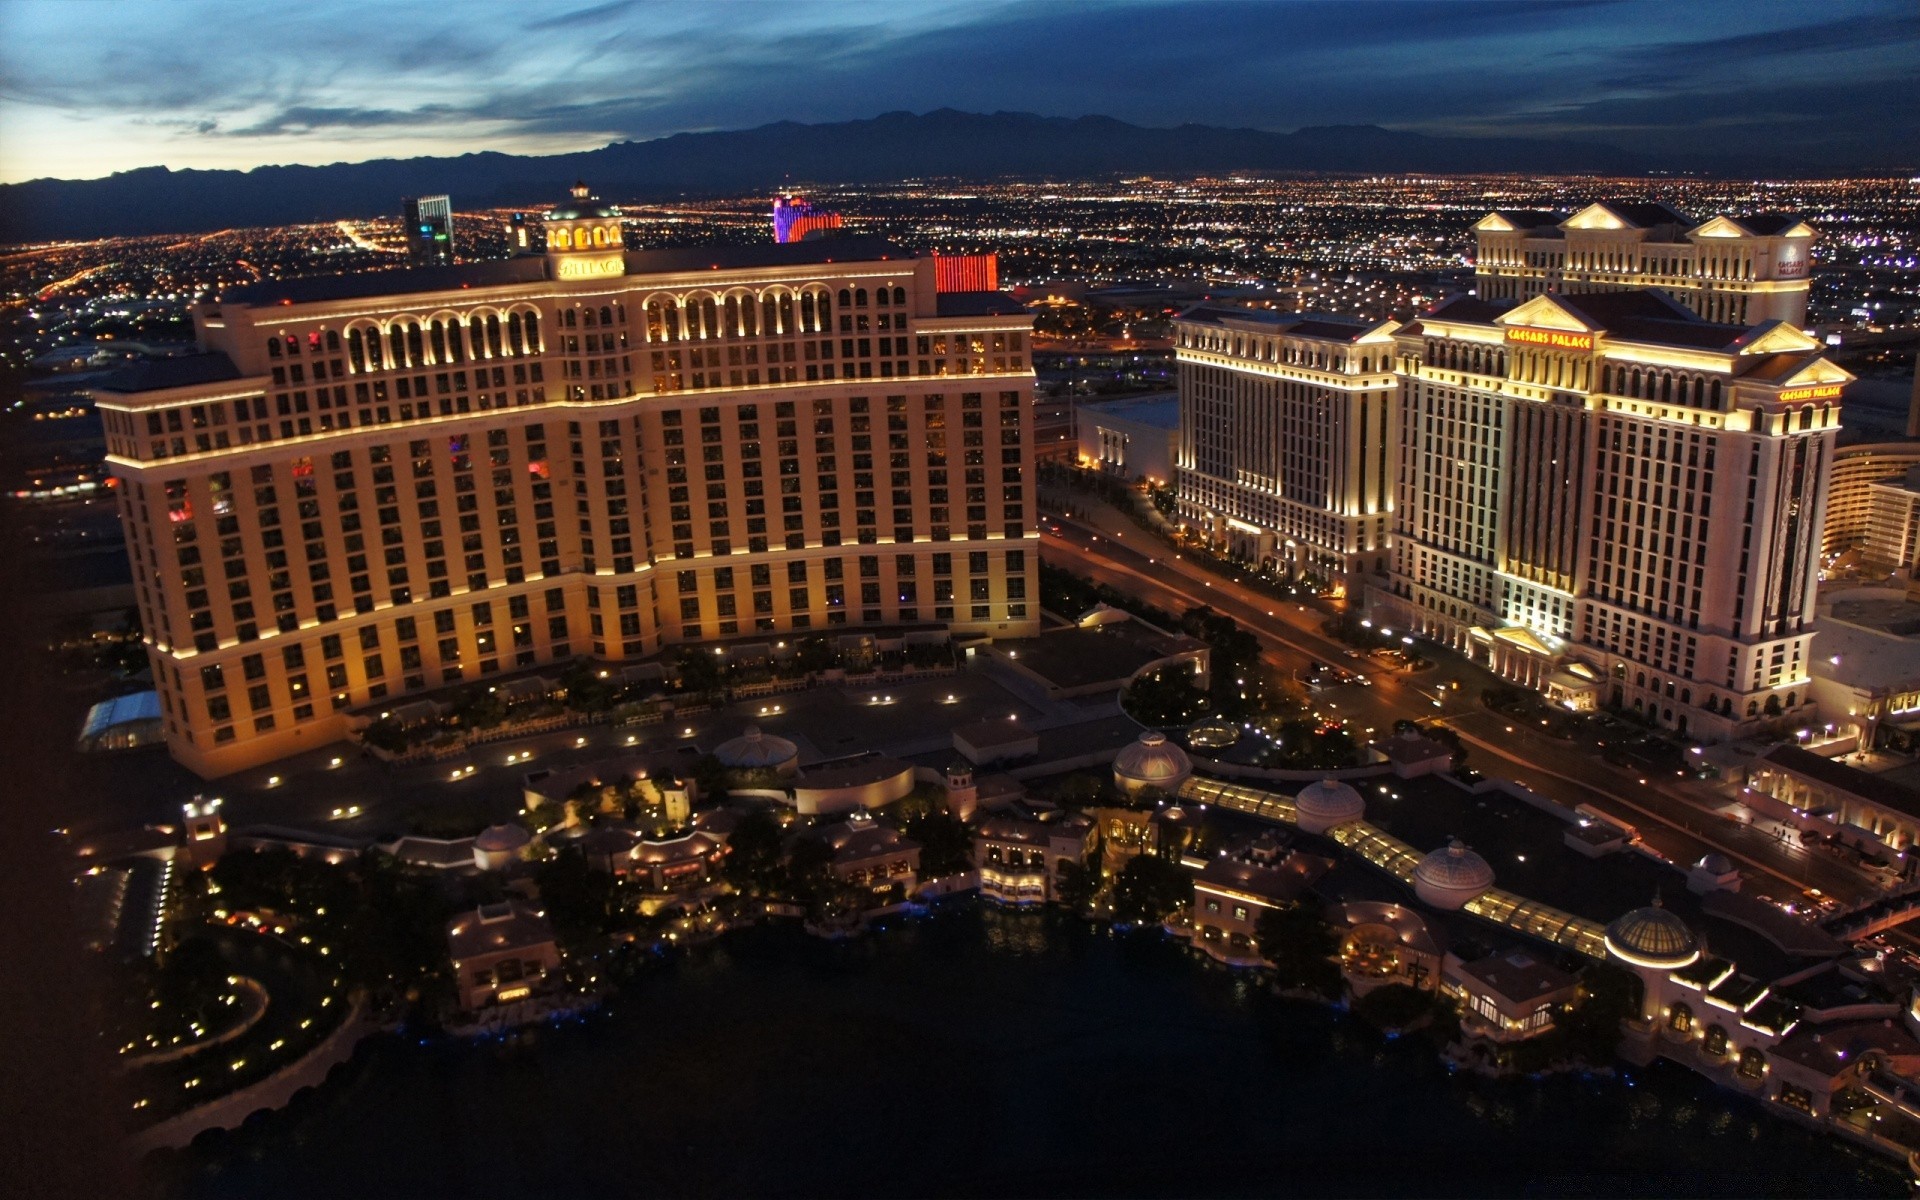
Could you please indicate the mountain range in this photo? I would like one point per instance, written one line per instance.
(889, 147)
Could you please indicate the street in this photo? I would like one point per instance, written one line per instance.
(1678, 818)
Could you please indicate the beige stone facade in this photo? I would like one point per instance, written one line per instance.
(378, 485)
(1606, 488)
(1735, 270)
(1285, 423)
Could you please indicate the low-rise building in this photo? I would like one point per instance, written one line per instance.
(1134, 438)
(1508, 997)
(1385, 943)
(1021, 859)
(869, 854)
(680, 863)
(1231, 893)
(501, 953)
(1813, 792)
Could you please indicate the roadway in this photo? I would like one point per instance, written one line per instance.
(1678, 818)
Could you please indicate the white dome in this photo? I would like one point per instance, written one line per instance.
(1449, 877)
(754, 750)
(498, 845)
(1325, 803)
(1154, 762)
(1652, 937)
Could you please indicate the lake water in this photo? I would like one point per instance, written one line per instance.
(981, 1053)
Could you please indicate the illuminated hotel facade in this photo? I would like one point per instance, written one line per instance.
(1614, 501)
(1734, 270)
(1286, 424)
(372, 486)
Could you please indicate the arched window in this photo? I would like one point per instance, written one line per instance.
(397, 344)
(749, 318)
(515, 343)
(273, 347)
(493, 334)
(899, 296)
(859, 298)
(437, 338)
(846, 298)
(709, 318)
(882, 297)
(356, 351)
(533, 333)
(560, 238)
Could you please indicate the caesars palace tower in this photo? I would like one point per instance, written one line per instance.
(374, 485)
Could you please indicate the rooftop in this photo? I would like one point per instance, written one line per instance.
(961, 304)
(1841, 777)
(159, 374)
(532, 268)
(1518, 978)
(1161, 411)
(1325, 326)
(1280, 884)
(1085, 657)
(493, 928)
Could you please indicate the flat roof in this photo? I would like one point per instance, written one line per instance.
(1837, 775)
(159, 374)
(493, 928)
(851, 773)
(977, 304)
(1160, 410)
(1517, 977)
(1081, 657)
(532, 268)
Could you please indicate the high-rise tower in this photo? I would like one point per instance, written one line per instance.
(429, 230)
(375, 485)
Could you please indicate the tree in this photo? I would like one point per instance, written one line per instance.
(1591, 1031)
(946, 844)
(1079, 884)
(1149, 890)
(710, 778)
(1394, 1007)
(1301, 946)
(809, 869)
(753, 858)
(578, 898)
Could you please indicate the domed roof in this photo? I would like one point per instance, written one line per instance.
(1451, 876)
(1153, 761)
(582, 205)
(1329, 802)
(502, 839)
(1714, 864)
(754, 749)
(1652, 937)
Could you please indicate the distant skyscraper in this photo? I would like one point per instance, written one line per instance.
(794, 219)
(1739, 270)
(429, 224)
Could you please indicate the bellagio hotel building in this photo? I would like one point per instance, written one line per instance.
(371, 486)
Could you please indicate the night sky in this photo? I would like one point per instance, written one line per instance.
(91, 88)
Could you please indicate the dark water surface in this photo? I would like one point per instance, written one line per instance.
(979, 1053)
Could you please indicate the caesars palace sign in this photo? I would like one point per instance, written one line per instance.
(1553, 339)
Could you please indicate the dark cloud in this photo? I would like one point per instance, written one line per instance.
(340, 73)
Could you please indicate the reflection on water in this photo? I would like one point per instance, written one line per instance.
(981, 1052)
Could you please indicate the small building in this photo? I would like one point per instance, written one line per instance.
(683, 863)
(501, 953)
(665, 775)
(1384, 943)
(755, 750)
(499, 846)
(867, 781)
(123, 723)
(869, 854)
(1869, 811)
(1134, 438)
(1508, 997)
(1413, 754)
(1151, 762)
(1229, 895)
(1021, 859)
